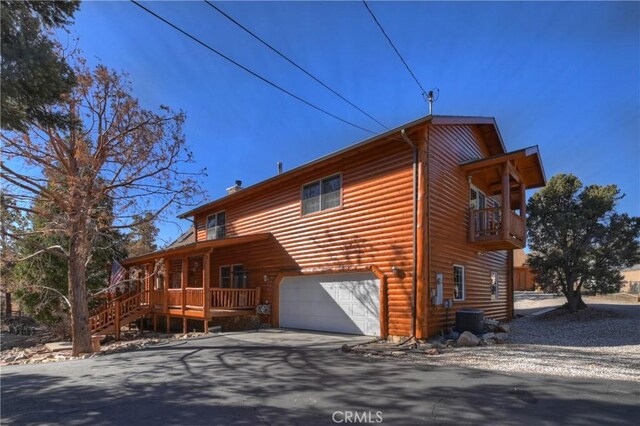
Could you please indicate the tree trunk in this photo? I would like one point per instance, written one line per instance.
(78, 254)
(7, 306)
(581, 304)
(574, 301)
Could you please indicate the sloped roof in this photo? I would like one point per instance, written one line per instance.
(486, 125)
(188, 237)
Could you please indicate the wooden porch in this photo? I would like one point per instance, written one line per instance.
(201, 303)
(188, 304)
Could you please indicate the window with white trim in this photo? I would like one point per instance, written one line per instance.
(322, 194)
(458, 282)
(494, 286)
(477, 199)
(216, 226)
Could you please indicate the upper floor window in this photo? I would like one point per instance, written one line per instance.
(216, 226)
(478, 200)
(322, 194)
(458, 282)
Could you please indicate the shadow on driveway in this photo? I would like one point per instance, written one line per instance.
(220, 381)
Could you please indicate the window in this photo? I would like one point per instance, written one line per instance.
(458, 282)
(321, 195)
(477, 200)
(494, 286)
(216, 226)
(159, 282)
(175, 274)
(233, 276)
(238, 276)
(195, 278)
(225, 276)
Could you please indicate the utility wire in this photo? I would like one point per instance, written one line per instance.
(200, 42)
(283, 56)
(424, 92)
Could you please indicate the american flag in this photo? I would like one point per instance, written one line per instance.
(117, 273)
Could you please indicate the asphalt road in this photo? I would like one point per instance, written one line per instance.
(284, 378)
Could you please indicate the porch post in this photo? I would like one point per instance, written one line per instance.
(165, 288)
(523, 209)
(472, 225)
(206, 284)
(183, 282)
(150, 285)
(523, 201)
(506, 201)
(117, 319)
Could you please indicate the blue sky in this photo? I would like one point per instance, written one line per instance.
(564, 76)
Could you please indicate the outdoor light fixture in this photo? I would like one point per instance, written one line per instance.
(395, 270)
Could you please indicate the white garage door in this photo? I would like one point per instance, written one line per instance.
(344, 303)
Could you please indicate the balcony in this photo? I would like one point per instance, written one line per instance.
(489, 231)
(504, 179)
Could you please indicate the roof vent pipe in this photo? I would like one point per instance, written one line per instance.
(237, 187)
(279, 163)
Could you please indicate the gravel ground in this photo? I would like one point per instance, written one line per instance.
(600, 342)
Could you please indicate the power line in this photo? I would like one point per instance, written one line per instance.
(424, 92)
(200, 42)
(283, 56)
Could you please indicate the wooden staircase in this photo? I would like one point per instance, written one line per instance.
(110, 317)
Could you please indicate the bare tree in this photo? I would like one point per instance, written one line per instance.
(118, 166)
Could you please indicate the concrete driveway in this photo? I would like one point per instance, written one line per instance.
(281, 377)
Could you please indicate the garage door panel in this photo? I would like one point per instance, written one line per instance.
(344, 303)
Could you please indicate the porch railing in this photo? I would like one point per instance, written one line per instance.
(119, 309)
(487, 225)
(157, 299)
(221, 298)
(517, 227)
(174, 298)
(235, 298)
(194, 297)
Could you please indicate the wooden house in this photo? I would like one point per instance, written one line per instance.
(523, 277)
(630, 280)
(388, 237)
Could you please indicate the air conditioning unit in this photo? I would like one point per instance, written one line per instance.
(471, 320)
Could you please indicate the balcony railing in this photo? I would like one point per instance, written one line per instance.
(517, 227)
(486, 228)
(486, 223)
